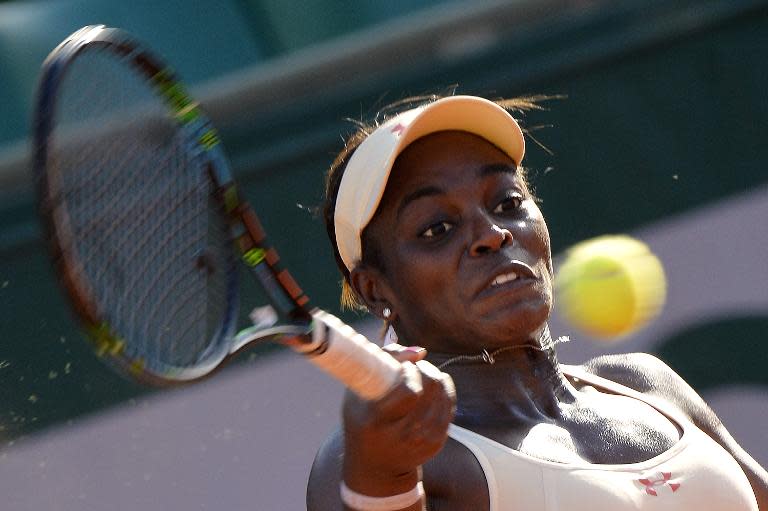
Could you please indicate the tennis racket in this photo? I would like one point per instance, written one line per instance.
(147, 228)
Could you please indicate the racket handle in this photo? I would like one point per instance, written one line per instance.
(351, 358)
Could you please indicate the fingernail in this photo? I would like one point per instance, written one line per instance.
(415, 349)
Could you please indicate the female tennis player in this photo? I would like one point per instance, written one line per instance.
(437, 233)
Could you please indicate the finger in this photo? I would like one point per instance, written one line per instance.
(405, 353)
(399, 401)
(426, 433)
(437, 403)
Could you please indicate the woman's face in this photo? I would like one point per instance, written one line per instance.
(464, 247)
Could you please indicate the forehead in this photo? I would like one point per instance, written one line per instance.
(444, 160)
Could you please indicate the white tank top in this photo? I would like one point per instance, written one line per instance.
(696, 474)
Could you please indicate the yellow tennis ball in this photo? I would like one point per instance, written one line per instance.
(610, 286)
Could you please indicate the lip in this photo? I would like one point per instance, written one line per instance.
(523, 271)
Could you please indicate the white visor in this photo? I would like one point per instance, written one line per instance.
(367, 171)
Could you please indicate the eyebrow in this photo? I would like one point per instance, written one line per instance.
(497, 168)
(427, 191)
(417, 194)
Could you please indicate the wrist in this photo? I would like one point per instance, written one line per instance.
(363, 502)
(379, 481)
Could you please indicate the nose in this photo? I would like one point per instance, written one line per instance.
(489, 237)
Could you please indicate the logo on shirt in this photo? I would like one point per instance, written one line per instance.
(652, 485)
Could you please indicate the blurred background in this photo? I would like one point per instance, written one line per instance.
(661, 134)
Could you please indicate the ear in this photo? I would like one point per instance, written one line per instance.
(372, 288)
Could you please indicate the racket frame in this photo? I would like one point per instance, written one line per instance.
(203, 139)
(324, 339)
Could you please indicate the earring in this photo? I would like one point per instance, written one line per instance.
(387, 313)
(390, 336)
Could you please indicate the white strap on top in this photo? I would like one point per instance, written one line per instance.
(465, 438)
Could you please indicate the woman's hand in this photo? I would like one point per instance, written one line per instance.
(386, 441)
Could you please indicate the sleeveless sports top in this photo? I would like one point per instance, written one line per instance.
(695, 474)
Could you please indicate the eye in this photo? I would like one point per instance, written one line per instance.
(436, 230)
(511, 202)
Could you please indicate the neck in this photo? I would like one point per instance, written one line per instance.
(542, 342)
(521, 382)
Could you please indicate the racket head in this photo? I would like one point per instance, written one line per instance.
(137, 227)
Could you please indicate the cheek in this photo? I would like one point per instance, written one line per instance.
(418, 277)
(547, 251)
(422, 283)
(542, 237)
(540, 244)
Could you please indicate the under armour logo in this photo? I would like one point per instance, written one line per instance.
(664, 478)
(397, 129)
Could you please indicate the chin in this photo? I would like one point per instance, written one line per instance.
(525, 319)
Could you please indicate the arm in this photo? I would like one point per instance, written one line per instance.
(383, 444)
(649, 375)
(325, 476)
(454, 478)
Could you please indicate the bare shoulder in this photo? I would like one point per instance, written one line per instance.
(639, 371)
(650, 375)
(453, 480)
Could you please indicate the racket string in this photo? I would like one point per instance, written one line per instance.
(140, 216)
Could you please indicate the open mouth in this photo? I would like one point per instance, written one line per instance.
(512, 274)
(504, 278)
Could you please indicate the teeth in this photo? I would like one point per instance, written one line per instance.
(501, 279)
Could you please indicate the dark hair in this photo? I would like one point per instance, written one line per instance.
(370, 252)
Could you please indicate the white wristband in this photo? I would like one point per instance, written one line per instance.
(392, 503)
